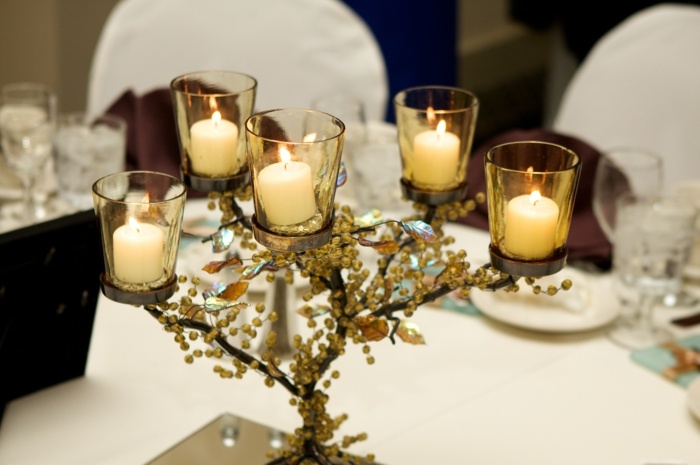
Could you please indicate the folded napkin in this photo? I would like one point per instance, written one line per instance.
(152, 142)
(586, 241)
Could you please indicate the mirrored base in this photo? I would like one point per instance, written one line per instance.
(227, 440)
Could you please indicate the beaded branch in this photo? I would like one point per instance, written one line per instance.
(361, 306)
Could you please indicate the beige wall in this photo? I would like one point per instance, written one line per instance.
(52, 41)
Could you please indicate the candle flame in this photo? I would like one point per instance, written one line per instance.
(216, 118)
(441, 127)
(133, 224)
(535, 197)
(310, 137)
(430, 115)
(285, 155)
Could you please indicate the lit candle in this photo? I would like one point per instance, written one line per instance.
(531, 226)
(435, 156)
(286, 191)
(213, 149)
(138, 252)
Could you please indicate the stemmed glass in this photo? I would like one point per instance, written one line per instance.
(27, 121)
(652, 242)
(620, 171)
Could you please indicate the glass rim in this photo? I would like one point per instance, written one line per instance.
(334, 119)
(175, 182)
(474, 99)
(574, 166)
(250, 85)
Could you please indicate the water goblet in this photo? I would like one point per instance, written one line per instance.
(652, 243)
(620, 171)
(27, 119)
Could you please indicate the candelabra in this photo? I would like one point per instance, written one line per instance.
(298, 232)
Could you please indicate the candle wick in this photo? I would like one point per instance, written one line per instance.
(285, 165)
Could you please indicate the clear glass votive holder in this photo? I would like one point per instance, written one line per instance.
(140, 217)
(435, 128)
(294, 157)
(531, 188)
(211, 108)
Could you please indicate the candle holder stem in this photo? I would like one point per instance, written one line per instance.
(280, 298)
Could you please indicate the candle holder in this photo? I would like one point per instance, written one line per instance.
(211, 108)
(294, 155)
(436, 127)
(531, 188)
(140, 216)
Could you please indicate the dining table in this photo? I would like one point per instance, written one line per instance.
(488, 386)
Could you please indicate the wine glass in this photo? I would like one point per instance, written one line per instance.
(652, 243)
(27, 120)
(620, 171)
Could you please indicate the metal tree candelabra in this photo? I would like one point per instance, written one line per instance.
(298, 232)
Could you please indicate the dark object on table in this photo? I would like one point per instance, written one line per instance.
(49, 285)
(586, 242)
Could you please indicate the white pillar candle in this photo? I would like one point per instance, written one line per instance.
(213, 146)
(436, 156)
(138, 252)
(286, 191)
(531, 226)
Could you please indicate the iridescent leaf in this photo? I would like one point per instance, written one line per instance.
(308, 311)
(234, 290)
(418, 229)
(342, 175)
(410, 332)
(216, 304)
(221, 240)
(370, 218)
(216, 266)
(385, 247)
(216, 289)
(372, 328)
(252, 271)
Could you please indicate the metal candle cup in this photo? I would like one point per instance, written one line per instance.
(211, 108)
(436, 127)
(531, 188)
(140, 217)
(294, 156)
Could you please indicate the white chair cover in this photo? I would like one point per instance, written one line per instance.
(640, 86)
(297, 50)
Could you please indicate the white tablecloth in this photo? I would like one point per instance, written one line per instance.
(478, 392)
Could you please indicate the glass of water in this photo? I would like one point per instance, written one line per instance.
(85, 150)
(27, 120)
(652, 243)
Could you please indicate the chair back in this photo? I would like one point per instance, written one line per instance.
(297, 50)
(640, 86)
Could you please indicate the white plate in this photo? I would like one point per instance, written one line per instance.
(581, 308)
(694, 397)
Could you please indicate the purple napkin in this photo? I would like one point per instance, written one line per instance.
(152, 142)
(586, 241)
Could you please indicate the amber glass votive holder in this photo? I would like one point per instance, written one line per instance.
(294, 157)
(140, 217)
(211, 108)
(531, 188)
(435, 126)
